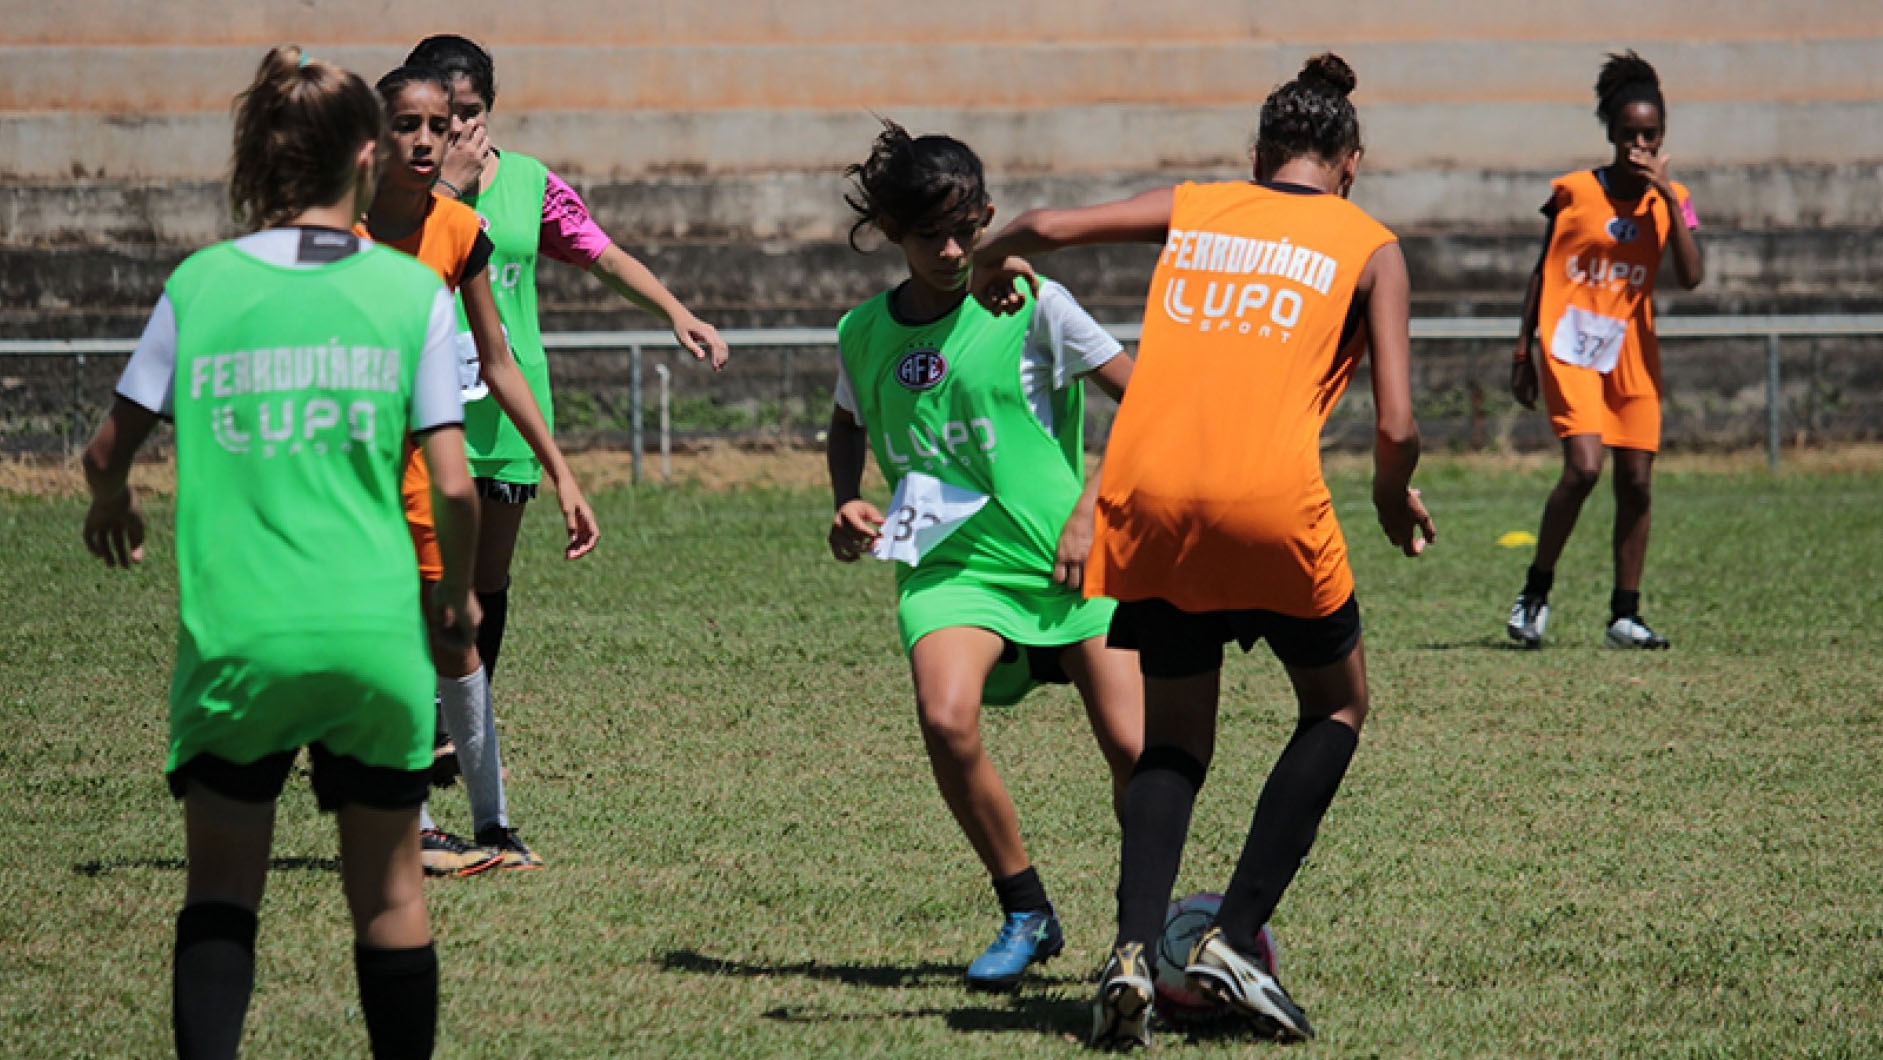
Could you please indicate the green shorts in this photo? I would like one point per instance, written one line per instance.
(1039, 614)
(361, 695)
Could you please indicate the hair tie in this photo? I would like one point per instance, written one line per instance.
(304, 58)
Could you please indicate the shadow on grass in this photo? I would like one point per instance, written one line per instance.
(107, 866)
(1476, 644)
(1025, 1010)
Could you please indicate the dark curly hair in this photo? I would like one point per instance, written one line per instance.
(1626, 78)
(459, 55)
(1310, 115)
(909, 182)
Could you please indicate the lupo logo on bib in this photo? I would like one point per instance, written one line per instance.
(1622, 229)
(921, 369)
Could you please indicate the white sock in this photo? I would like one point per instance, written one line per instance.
(425, 822)
(473, 727)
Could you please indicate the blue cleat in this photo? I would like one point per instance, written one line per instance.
(1025, 938)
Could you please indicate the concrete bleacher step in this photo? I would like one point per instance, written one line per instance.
(159, 79)
(690, 22)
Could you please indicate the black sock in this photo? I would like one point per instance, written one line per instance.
(214, 969)
(1624, 603)
(1287, 816)
(1538, 583)
(490, 631)
(1158, 801)
(1022, 892)
(399, 998)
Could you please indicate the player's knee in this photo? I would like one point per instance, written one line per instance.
(1634, 491)
(951, 721)
(1580, 476)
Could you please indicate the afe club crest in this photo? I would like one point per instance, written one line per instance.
(921, 369)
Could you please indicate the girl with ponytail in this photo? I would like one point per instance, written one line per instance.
(296, 362)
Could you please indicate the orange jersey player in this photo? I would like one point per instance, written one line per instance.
(448, 236)
(1213, 522)
(1592, 301)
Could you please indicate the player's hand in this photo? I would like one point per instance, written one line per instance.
(467, 152)
(455, 614)
(701, 339)
(578, 519)
(1523, 380)
(1075, 544)
(1650, 167)
(114, 530)
(1403, 517)
(854, 529)
(992, 284)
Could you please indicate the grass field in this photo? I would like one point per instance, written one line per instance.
(1560, 853)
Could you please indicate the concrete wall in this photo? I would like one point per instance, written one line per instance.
(710, 137)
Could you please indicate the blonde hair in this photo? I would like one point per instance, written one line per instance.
(298, 127)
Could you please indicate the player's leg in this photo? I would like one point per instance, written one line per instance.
(465, 696)
(1326, 663)
(227, 841)
(950, 666)
(460, 685)
(1634, 471)
(1180, 656)
(381, 873)
(1582, 468)
(500, 511)
(1113, 691)
(393, 954)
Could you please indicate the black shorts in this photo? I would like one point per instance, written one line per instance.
(492, 489)
(338, 780)
(1041, 662)
(1175, 643)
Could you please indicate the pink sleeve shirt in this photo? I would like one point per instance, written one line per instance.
(569, 234)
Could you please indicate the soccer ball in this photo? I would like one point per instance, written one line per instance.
(1185, 922)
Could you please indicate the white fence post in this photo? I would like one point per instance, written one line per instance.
(1773, 399)
(635, 445)
(666, 422)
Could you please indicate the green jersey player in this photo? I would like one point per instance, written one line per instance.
(296, 361)
(977, 423)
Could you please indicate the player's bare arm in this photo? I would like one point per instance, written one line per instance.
(114, 528)
(1388, 295)
(499, 371)
(855, 525)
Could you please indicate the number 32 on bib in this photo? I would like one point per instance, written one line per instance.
(923, 512)
(1588, 340)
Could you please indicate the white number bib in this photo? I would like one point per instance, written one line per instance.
(470, 373)
(924, 511)
(470, 370)
(1588, 340)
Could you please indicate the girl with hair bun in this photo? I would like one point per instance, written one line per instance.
(1213, 521)
(1593, 294)
(978, 423)
(296, 362)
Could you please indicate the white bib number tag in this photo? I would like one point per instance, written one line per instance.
(924, 511)
(1588, 340)
(470, 372)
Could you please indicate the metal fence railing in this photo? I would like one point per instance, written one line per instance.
(785, 386)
